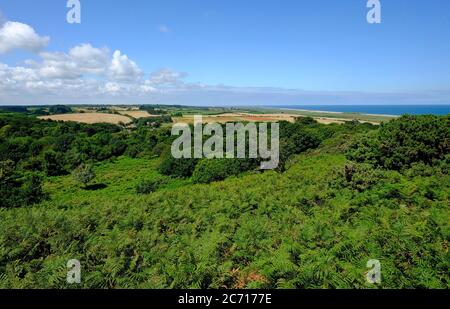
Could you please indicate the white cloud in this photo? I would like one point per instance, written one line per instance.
(20, 74)
(111, 88)
(86, 59)
(15, 35)
(147, 87)
(163, 29)
(124, 69)
(90, 59)
(167, 77)
(57, 66)
(82, 59)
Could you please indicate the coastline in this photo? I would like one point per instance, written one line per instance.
(338, 113)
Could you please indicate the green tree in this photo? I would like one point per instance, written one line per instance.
(84, 174)
(60, 109)
(209, 170)
(53, 163)
(401, 142)
(180, 168)
(17, 189)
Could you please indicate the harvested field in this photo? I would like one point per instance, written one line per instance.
(136, 114)
(237, 117)
(247, 117)
(89, 118)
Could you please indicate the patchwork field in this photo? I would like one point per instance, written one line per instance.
(124, 115)
(248, 117)
(89, 118)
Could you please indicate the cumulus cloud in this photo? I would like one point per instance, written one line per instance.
(147, 87)
(167, 77)
(85, 60)
(84, 71)
(111, 88)
(90, 59)
(124, 69)
(15, 35)
(56, 66)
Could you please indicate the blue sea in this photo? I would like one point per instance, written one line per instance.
(377, 109)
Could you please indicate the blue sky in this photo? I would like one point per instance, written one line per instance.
(211, 52)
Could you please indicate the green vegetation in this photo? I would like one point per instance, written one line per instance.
(59, 109)
(343, 195)
(399, 144)
(207, 170)
(150, 186)
(84, 174)
(181, 168)
(155, 122)
(18, 189)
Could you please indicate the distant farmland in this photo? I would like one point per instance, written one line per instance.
(136, 114)
(266, 117)
(126, 117)
(90, 118)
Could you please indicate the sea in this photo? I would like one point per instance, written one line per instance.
(396, 110)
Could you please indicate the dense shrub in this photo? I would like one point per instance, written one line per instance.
(84, 174)
(17, 189)
(305, 121)
(153, 109)
(404, 141)
(360, 177)
(297, 138)
(31, 189)
(54, 163)
(150, 186)
(287, 150)
(209, 170)
(59, 109)
(180, 168)
(154, 122)
(14, 109)
(62, 146)
(305, 139)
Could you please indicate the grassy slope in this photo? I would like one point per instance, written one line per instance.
(261, 230)
(115, 180)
